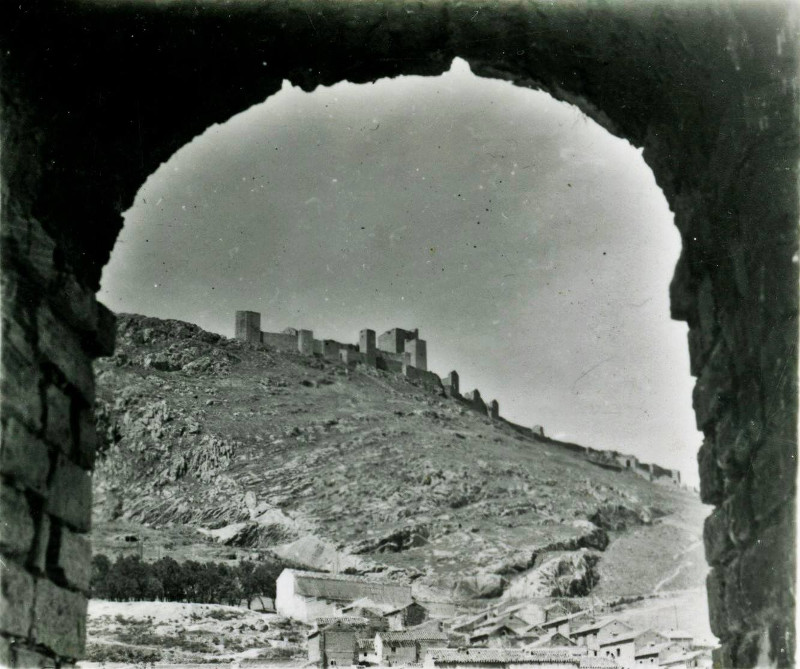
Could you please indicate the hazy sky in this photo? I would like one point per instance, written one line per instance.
(532, 249)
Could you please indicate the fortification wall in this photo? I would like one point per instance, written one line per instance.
(426, 378)
(280, 341)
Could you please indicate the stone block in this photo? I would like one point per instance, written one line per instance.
(19, 386)
(29, 658)
(74, 559)
(715, 591)
(6, 657)
(70, 495)
(59, 419)
(38, 558)
(16, 599)
(16, 522)
(41, 251)
(713, 390)
(62, 346)
(86, 438)
(768, 568)
(774, 472)
(715, 536)
(24, 457)
(740, 515)
(737, 612)
(711, 482)
(60, 619)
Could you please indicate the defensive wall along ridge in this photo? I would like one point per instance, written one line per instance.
(402, 352)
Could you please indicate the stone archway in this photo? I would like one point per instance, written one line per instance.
(96, 94)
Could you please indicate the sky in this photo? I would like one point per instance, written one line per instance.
(531, 248)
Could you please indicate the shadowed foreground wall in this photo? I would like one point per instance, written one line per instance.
(96, 95)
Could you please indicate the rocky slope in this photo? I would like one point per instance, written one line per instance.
(361, 470)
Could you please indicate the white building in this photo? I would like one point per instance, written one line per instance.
(307, 595)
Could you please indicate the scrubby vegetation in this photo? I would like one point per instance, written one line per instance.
(129, 578)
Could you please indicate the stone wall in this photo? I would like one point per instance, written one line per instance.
(280, 341)
(52, 327)
(95, 96)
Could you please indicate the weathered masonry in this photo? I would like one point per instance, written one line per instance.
(95, 95)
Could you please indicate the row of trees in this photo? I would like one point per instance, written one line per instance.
(130, 578)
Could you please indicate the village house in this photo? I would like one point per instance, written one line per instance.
(466, 625)
(410, 646)
(679, 637)
(305, 595)
(498, 635)
(565, 624)
(334, 641)
(593, 634)
(690, 659)
(648, 655)
(649, 637)
(560, 609)
(621, 647)
(553, 640)
(407, 615)
(366, 651)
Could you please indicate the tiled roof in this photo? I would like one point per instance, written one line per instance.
(491, 629)
(597, 624)
(563, 619)
(553, 637)
(597, 662)
(504, 656)
(346, 588)
(412, 636)
(622, 638)
(366, 644)
(347, 621)
(401, 607)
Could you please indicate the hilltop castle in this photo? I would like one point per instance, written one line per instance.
(403, 352)
(397, 350)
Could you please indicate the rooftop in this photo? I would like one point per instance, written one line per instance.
(505, 656)
(411, 636)
(346, 588)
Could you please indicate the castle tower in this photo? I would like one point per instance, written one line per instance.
(305, 342)
(451, 384)
(494, 409)
(248, 326)
(366, 346)
(417, 352)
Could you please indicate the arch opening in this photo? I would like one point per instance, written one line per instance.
(714, 108)
(329, 205)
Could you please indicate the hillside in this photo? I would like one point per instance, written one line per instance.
(217, 448)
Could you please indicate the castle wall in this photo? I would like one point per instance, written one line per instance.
(428, 379)
(280, 341)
